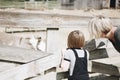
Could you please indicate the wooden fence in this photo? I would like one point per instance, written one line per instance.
(25, 64)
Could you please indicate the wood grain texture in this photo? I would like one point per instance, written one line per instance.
(20, 55)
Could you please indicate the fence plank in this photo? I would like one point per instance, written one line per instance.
(20, 55)
(30, 69)
(109, 66)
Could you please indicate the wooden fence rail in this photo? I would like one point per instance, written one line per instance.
(28, 64)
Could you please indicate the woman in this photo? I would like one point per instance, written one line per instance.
(102, 27)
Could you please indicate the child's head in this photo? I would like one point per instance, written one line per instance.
(99, 25)
(76, 39)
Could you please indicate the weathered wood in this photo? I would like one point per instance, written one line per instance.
(62, 75)
(8, 39)
(7, 65)
(48, 75)
(112, 52)
(92, 76)
(109, 66)
(30, 69)
(98, 76)
(96, 44)
(20, 55)
(97, 48)
(17, 38)
(23, 29)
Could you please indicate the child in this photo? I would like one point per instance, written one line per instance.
(75, 57)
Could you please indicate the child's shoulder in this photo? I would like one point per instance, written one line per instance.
(69, 51)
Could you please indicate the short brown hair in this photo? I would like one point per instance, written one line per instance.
(76, 39)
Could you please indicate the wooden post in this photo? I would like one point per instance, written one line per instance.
(51, 35)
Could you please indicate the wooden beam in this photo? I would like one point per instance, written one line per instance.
(98, 76)
(20, 55)
(109, 66)
(92, 76)
(7, 65)
(30, 69)
(50, 75)
(23, 29)
(97, 48)
(62, 75)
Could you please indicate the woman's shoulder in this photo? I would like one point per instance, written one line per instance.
(116, 30)
(69, 51)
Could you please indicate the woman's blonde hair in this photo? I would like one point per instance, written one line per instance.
(99, 25)
(76, 39)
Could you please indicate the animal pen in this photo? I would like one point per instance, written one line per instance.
(22, 60)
